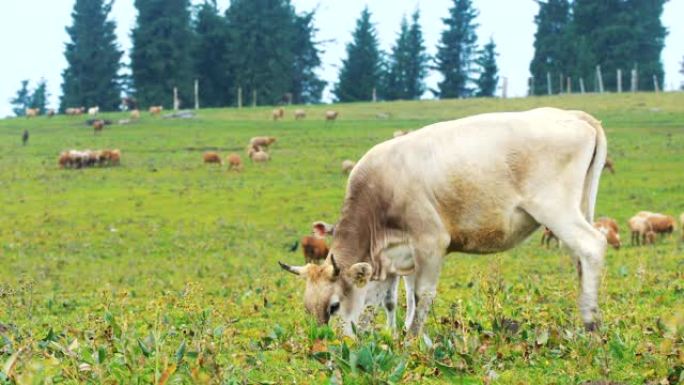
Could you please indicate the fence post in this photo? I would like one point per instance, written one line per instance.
(656, 87)
(196, 94)
(504, 88)
(568, 88)
(635, 80)
(561, 78)
(239, 97)
(254, 98)
(530, 88)
(599, 79)
(619, 81)
(582, 90)
(548, 83)
(175, 98)
(375, 94)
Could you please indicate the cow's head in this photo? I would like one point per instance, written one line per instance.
(332, 290)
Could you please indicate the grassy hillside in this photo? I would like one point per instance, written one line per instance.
(167, 267)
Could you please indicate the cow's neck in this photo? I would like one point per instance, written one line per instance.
(361, 232)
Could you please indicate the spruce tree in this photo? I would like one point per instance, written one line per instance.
(306, 87)
(397, 71)
(161, 58)
(212, 55)
(93, 57)
(362, 69)
(646, 40)
(489, 71)
(418, 59)
(456, 50)
(39, 97)
(22, 100)
(407, 66)
(552, 53)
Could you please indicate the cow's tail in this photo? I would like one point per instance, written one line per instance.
(591, 180)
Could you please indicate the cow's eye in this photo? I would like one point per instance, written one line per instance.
(333, 308)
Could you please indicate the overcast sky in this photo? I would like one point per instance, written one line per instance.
(33, 36)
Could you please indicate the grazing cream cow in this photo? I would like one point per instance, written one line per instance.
(92, 111)
(477, 185)
(331, 115)
(278, 113)
(32, 112)
(299, 114)
(156, 110)
(261, 142)
(348, 166)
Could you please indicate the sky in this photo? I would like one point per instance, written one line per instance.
(33, 36)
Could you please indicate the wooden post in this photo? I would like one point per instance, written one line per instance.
(504, 88)
(254, 98)
(561, 78)
(196, 94)
(599, 79)
(530, 88)
(582, 89)
(175, 98)
(548, 83)
(375, 94)
(239, 97)
(635, 80)
(656, 87)
(568, 88)
(619, 81)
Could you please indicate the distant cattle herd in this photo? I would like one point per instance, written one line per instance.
(644, 227)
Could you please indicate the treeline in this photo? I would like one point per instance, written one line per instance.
(269, 52)
(30, 98)
(574, 37)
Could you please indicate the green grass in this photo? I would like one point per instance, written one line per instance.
(167, 266)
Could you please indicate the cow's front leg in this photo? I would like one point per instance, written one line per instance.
(426, 278)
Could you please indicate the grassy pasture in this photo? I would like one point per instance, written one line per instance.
(164, 270)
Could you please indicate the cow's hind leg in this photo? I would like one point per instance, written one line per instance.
(390, 303)
(589, 246)
(410, 287)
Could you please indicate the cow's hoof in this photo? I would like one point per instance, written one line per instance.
(591, 326)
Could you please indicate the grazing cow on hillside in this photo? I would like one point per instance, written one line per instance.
(639, 228)
(609, 228)
(98, 125)
(259, 156)
(299, 114)
(135, 114)
(234, 162)
(331, 115)
(51, 112)
(32, 112)
(156, 110)
(610, 166)
(261, 142)
(278, 113)
(348, 166)
(74, 111)
(488, 183)
(547, 237)
(211, 157)
(314, 246)
(92, 111)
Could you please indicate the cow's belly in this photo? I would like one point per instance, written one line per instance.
(491, 234)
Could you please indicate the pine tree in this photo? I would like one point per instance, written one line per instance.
(39, 97)
(552, 54)
(646, 40)
(161, 58)
(489, 71)
(212, 55)
(407, 66)
(22, 100)
(307, 87)
(361, 70)
(456, 50)
(93, 57)
(418, 59)
(397, 71)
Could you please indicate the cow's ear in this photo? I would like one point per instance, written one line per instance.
(322, 229)
(360, 273)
